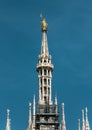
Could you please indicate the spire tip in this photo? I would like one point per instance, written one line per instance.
(86, 109)
(30, 104)
(8, 111)
(41, 16)
(62, 104)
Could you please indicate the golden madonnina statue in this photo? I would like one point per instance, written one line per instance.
(44, 24)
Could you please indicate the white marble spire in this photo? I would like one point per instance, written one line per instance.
(8, 120)
(79, 124)
(63, 123)
(55, 100)
(30, 115)
(87, 126)
(86, 114)
(56, 104)
(34, 106)
(34, 112)
(44, 68)
(83, 120)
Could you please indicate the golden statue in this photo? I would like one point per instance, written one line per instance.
(44, 24)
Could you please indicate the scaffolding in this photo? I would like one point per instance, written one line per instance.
(47, 117)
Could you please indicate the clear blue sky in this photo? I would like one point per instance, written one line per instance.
(70, 44)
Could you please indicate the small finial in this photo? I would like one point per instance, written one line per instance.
(30, 118)
(8, 112)
(86, 110)
(63, 123)
(55, 100)
(63, 114)
(86, 113)
(8, 127)
(62, 106)
(87, 126)
(34, 107)
(82, 111)
(78, 124)
(82, 114)
(83, 120)
(30, 104)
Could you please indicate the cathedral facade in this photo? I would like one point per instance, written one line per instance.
(44, 114)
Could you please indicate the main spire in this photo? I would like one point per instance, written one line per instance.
(63, 123)
(8, 120)
(44, 68)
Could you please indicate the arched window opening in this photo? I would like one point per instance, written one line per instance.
(44, 71)
(45, 90)
(45, 81)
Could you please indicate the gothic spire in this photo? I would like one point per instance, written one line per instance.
(56, 104)
(87, 127)
(34, 113)
(34, 106)
(63, 124)
(30, 116)
(44, 68)
(55, 100)
(79, 124)
(83, 120)
(8, 120)
(86, 114)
